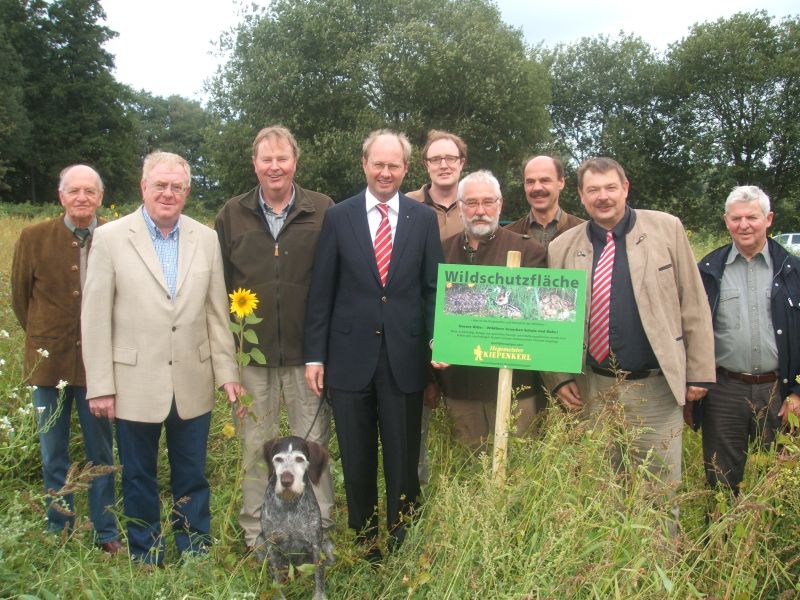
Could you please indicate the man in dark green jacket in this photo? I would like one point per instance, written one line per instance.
(268, 237)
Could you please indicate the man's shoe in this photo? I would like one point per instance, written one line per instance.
(374, 556)
(112, 547)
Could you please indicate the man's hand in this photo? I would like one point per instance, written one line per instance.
(440, 365)
(790, 405)
(234, 390)
(102, 406)
(688, 413)
(694, 393)
(570, 396)
(315, 377)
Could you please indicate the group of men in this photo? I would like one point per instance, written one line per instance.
(347, 296)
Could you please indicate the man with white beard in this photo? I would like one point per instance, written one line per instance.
(471, 392)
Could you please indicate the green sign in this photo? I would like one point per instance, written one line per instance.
(515, 318)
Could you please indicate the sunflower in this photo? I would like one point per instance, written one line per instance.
(243, 302)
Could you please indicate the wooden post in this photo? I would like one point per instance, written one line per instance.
(503, 404)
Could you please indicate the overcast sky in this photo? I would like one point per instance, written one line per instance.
(168, 46)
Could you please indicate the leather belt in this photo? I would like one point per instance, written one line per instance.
(628, 375)
(749, 377)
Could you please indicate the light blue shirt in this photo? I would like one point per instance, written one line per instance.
(166, 249)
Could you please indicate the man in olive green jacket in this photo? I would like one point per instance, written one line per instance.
(268, 238)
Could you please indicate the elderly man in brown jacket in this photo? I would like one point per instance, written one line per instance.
(47, 277)
(471, 392)
(648, 320)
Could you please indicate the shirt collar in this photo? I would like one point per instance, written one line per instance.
(71, 226)
(268, 209)
(155, 232)
(734, 253)
(372, 202)
(556, 218)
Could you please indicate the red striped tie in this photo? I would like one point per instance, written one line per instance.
(383, 243)
(601, 302)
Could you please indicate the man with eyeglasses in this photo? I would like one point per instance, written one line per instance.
(156, 345)
(268, 237)
(47, 276)
(443, 156)
(471, 392)
(543, 179)
(368, 325)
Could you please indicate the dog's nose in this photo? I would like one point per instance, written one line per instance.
(287, 479)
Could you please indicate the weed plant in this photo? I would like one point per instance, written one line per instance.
(565, 524)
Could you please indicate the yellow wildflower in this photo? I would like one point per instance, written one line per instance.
(228, 430)
(243, 302)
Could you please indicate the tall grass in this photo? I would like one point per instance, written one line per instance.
(564, 525)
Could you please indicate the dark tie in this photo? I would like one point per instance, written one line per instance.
(601, 302)
(383, 244)
(82, 233)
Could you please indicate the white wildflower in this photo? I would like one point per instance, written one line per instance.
(42, 352)
(3, 333)
(62, 383)
(12, 394)
(2, 362)
(24, 410)
(31, 388)
(5, 423)
(40, 409)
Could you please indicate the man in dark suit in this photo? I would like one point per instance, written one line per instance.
(368, 325)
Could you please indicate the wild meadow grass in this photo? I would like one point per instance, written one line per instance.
(565, 524)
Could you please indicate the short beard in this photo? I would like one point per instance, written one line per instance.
(481, 230)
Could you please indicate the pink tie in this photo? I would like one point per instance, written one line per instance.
(601, 302)
(383, 244)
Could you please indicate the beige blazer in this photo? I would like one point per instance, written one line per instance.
(668, 291)
(140, 344)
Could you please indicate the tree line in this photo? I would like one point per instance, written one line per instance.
(718, 108)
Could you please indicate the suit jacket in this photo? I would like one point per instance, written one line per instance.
(349, 312)
(668, 293)
(46, 298)
(140, 344)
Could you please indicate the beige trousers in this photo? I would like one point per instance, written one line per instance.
(474, 420)
(267, 385)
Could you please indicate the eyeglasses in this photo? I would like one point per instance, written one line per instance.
(380, 166)
(448, 159)
(176, 188)
(471, 203)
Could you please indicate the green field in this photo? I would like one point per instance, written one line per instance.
(564, 525)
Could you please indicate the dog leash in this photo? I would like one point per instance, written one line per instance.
(323, 397)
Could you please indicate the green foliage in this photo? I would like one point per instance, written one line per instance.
(332, 71)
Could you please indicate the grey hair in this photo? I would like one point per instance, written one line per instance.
(62, 185)
(748, 193)
(482, 176)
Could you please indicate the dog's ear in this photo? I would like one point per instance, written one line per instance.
(318, 460)
(267, 453)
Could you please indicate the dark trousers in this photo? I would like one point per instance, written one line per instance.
(734, 415)
(138, 454)
(359, 417)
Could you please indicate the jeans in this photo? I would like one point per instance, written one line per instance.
(54, 426)
(187, 440)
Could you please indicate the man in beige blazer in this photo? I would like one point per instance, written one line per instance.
(656, 331)
(156, 344)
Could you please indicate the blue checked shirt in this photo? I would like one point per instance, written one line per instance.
(166, 249)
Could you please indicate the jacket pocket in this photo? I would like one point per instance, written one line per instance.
(205, 351)
(125, 356)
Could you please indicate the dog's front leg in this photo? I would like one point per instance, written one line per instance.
(319, 574)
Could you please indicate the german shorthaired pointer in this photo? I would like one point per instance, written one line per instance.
(291, 526)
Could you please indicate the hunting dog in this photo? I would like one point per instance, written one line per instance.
(291, 525)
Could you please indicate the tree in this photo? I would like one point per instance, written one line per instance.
(71, 99)
(738, 81)
(332, 70)
(610, 98)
